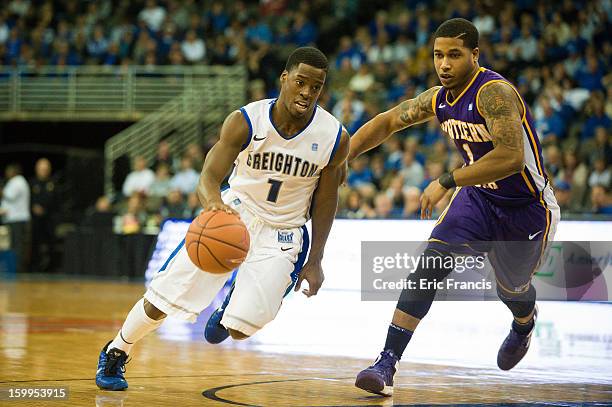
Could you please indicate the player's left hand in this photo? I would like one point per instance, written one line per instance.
(430, 197)
(313, 273)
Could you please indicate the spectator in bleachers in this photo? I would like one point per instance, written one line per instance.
(591, 76)
(601, 174)
(350, 111)
(140, 179)
(101, 215)
(174, 207)
(164, 155)
(552, 159)
(440, 151)
(161, 185)
(19, 7)
(575, 173)
(4, 29)
(563, 195)
(187, 178)
(195, 153)
(412, 171)
(362, 80)
(217, 18)
(258, 32)
(153, 15)
(379, 174)
(600, 146)
(433, 170)
(355, 208)
(608, 106)
(381, 50)
(112, 55)
(600, 199)
(349, 55)
(97, 45)
(550, 126)
(360, 173)
(395, 191)
(134, 216)
(141, 46)
(526, 46)
(194, 49)
(403, 49)
(304, 32)
(192, 207)
(412, 207)
(596, 118)
(383, 207)
(394, 153)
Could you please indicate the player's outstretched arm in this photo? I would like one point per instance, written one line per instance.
(219, 160)
(502, 109)
(325, 203)
(376, 131)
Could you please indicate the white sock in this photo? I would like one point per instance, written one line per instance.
(137, 324)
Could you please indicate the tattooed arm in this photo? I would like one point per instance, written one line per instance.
(502, 110)
(377, 130)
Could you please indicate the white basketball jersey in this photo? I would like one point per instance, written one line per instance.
(275, 177)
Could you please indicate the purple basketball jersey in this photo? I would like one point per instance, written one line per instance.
(461, 120)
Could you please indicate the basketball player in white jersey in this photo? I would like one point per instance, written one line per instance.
(290, 158)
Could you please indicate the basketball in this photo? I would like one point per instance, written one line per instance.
(217, 242)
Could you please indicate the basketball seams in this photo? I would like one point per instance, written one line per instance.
(211, 254)
(200, 239)
(224, 242)
(209, 219)
(224, 225)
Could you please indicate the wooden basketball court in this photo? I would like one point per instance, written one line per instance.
(51, 334)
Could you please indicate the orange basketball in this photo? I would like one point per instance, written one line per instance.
(217, 242)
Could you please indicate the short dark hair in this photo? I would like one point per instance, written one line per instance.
(14, 167)
(309, 56)
(459, 28)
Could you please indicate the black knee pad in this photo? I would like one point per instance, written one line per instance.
(520, 304)
(434, 266)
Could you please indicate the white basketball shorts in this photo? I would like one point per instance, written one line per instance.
(270, 270)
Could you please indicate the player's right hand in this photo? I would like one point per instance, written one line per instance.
(430, 197)
(221, 206)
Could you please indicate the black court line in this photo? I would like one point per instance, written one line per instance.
(211, 394)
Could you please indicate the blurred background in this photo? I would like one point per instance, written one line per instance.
(108, 108)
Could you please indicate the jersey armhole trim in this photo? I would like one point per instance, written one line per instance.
(434, 101)
(246, 117)
(336, 144)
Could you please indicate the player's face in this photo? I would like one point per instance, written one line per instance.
(454, 62)
(301, 88)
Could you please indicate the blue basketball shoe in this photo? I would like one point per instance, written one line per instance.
(215, 332)
(378, 378)
(111, 367)
(515, 346)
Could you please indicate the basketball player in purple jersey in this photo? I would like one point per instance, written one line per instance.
(501, 194)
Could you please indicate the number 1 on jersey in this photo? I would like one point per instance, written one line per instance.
(274, 189)
(467, 149)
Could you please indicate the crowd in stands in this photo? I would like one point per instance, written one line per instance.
(557, 54)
